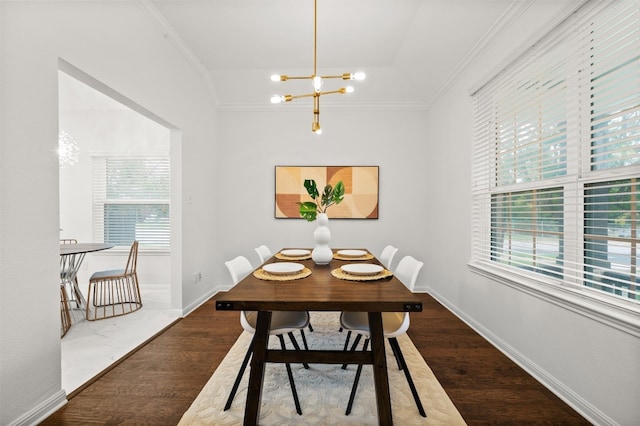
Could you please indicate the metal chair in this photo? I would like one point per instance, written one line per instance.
(394, 325)
(115, 292)
(282, 322)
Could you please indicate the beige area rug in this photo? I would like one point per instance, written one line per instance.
(323, 389)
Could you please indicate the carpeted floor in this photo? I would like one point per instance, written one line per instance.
(323, 389)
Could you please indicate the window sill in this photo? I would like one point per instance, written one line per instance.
(624, 316)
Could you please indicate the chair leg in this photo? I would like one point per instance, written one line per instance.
(65, 315)
(310, 328)
(346, 341)
(355, 382)
(393, 342)
(290, 374)
(353, 347)
(304, 340)
(234, 389)
(297, 347)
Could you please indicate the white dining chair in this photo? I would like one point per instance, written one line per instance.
(394, 324)
(387, 255)
(282, 322)
(264, 253)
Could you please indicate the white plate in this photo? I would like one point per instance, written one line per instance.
(295, 252)
(362, 269)
(283, 268)
(352, 253)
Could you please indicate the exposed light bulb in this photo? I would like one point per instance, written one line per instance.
(358, 76)
(349, 89)
(276, 77)
(317, 83)
(276, 99)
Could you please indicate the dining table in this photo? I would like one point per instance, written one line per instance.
(71, 258)
(319, 288)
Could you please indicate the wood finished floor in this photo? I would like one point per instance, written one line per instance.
(157, 384)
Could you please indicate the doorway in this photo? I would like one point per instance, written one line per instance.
(96, 130)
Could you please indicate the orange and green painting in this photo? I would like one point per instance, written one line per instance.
(360, 183)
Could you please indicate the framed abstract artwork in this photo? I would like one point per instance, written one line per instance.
(360, 182)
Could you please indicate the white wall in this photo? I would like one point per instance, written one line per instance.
(115, 43)
(389, 139)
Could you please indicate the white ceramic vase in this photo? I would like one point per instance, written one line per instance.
(321, 253)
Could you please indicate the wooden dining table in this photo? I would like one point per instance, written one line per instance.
(320, 291)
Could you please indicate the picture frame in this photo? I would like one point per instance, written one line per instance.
(361, 190)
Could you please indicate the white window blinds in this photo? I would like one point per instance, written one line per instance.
(131, 201)
(557, 156)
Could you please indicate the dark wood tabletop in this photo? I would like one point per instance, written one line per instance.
(320, 291)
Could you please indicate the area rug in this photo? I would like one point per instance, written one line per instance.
(323, 389)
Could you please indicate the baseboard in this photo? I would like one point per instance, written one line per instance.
(575, 401)
(40, 412)
(200, 301)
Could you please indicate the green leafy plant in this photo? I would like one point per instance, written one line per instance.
(321, 202)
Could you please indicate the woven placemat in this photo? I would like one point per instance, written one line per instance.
(367, 256)
(339, 273)
(264, 275)
(284, 257)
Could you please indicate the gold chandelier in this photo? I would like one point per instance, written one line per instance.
(316, 80)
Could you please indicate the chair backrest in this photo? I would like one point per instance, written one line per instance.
(264, 253)
(407, 271)
(132, 262)
(68, 241)
(386, 257)
(239, 267)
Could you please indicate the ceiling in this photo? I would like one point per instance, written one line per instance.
(408, 48)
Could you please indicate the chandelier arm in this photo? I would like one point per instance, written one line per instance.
(345, 76)
(288, 77)
(342, 90)
(306, 95)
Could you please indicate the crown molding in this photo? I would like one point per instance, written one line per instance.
(511, 15)
(505, 21)
(170, 34)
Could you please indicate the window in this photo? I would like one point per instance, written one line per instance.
(556, 172)
(131, 201)
(527, 230)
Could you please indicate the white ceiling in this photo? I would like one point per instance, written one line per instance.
(409, 49)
